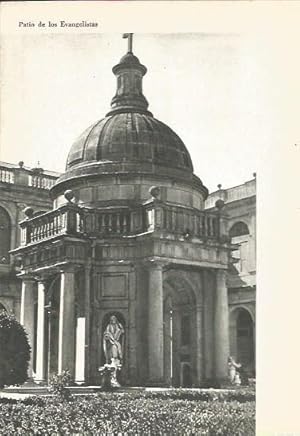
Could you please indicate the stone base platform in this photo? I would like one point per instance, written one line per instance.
(31, 389)
(34, 389)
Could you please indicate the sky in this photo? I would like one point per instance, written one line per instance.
(208, 87)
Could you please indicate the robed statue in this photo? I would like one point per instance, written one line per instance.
(113, 338)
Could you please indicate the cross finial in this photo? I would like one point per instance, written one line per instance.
(129, 36)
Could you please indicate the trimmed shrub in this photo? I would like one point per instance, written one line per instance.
(59, 383)
(15, 351)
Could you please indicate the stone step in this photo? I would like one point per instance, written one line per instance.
(31, 389)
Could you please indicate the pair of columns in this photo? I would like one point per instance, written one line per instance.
(67, 329)
(155, 327)
(76, 363)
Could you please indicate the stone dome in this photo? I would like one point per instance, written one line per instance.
(130, 137)
(129, 140)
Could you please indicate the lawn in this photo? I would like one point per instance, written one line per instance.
(175, 412)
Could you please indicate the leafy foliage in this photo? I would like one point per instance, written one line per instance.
(126, 413)
(59, 383)
(15, 351)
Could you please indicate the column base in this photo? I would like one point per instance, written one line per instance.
(40, 382)
(29, 382)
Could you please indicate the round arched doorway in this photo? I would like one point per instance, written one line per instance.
(242, 338)
(180, 348)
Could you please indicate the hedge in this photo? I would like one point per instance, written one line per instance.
(127, 414)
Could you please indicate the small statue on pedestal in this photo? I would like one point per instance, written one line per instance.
(113, 351)
(233, 371)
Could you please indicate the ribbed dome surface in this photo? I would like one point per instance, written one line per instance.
(130, 137)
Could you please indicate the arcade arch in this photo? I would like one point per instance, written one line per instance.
(239, 233)
(242, 334)
(180, 348)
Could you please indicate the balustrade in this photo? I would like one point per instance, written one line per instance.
(6, 176)
(40, 181)
(22, 176)
(105, 222)
(75, 220)
(178, 220)
(44, 226)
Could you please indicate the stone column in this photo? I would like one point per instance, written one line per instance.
(199, 347)
(66, 332)
(27, 315)
(132, 331)
(87, 311)
(221, 326)
(155, 325)
(40, 340)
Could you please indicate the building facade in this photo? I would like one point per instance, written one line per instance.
(20, 186)
(130, 235)
(240, 206)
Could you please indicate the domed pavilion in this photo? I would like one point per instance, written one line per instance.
(127, 265)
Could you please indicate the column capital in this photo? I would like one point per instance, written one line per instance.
(221, 273)
(155, 263)
(41, 280)
(27, 277)
(68, 268)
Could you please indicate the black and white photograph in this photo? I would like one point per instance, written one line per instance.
(128, 222)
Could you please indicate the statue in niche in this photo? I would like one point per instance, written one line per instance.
(113, 348)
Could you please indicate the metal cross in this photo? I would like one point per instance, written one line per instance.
(129, 36)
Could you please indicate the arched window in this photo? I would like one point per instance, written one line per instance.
(5, 229)
(239, 229)
(239, 234)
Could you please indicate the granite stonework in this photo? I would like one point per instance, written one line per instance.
(128, 236)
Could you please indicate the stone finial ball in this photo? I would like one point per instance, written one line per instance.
(69, 195)
(219, 186)
(21, 164)
(219, 204)
(28, 211)
(154, 191)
